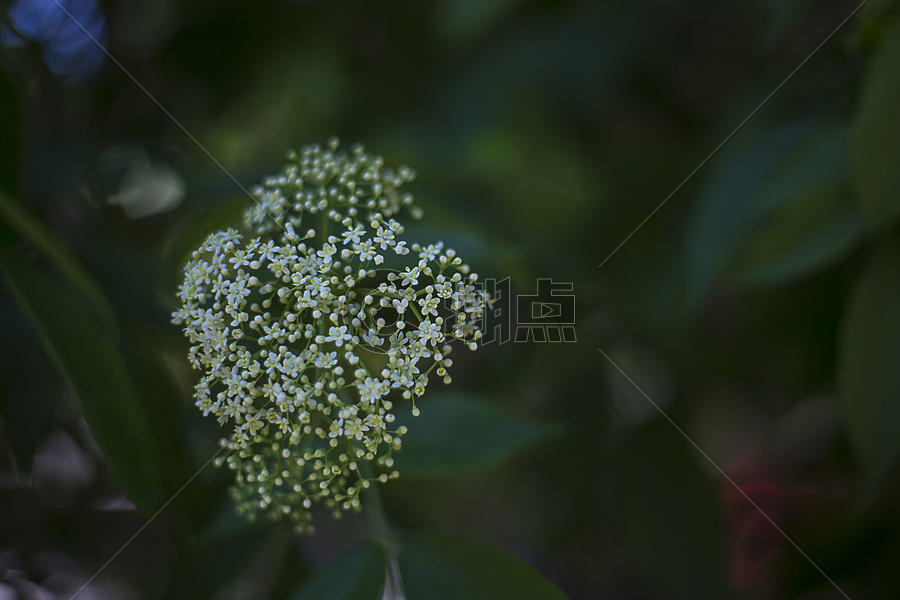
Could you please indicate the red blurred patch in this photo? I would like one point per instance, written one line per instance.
(753, 540)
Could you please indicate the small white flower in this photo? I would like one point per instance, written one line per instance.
(371, 390)
(326, 361)
(431, 252)
(410, 276)
(400, 304)
(430, 332)
(384, 238)
(429, 305)
(338, 335)
(327, 252)
(353, 235)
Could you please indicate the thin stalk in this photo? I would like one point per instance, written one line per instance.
(374, 507)
(378, 525)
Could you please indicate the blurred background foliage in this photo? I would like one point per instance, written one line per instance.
(760, 307)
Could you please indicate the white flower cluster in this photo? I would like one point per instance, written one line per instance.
(307, 344)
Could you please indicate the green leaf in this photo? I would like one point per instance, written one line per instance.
(461, 20)
(781, 15)
(732, 205)
(875, 139)
(26, 400)
(777, 209)
(456, 432)
(80, 348)
(669, 515)
(189, 231)
(358, 575)
(431, 565)
(11, 141)
(817, 222)
(131, 278)
(868, 373)
(812, 232)
(439, 567)
(33, 232)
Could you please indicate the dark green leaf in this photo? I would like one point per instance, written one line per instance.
(781, 16)
(817, 223)
(457, 432)
(25, 408)
(813, 231)
(81, 349)
(35, 234)
(434, 566)
(776, 210)
(875, 140)
(868, 373)
(358, 575)
(439, 567)
(462, 20)
(11, 141)
(26, 402)
(131, 278)
(732, 205)
(669, 514)
(193, 227)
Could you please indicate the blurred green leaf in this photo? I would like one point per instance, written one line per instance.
(79, 346)
(11, 141)
(816, 223)
(515, 161)
(226, 553)
(868, 373)
(672, 526)
(440, 566)
(191, 229)
(875, 138)
(259, 573)
(458, 432)
(432, 565)
(461, 20)
(26, 402)
(732, 205)
(776, 209)
(358, 575)
(33, 232)
(814, 230)
(282, 84)
(874, 18)
(782, 15)
(532, 61)
(132, 280)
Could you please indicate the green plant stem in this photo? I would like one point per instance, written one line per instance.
(324, 226)
(374, 507)
(378, 524)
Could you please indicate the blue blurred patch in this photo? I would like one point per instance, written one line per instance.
(67, 50)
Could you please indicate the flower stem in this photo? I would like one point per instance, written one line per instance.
(378, 525)
(374, 507)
